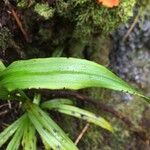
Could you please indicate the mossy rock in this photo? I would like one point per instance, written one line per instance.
(87, 16)
(90, 17)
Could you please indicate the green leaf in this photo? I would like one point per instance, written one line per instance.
(47, 147)
(2, 66)
(50, 132)
(10, 130)
(46, 136)
(16, 140)
(79, 113)
(55, 102)
(3, 92)
(60, 73)
(29, 136)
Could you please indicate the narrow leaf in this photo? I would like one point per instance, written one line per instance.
(10, 130)
(55, 102)
(2, 66)
(60, 73)
(29, 136)
(47, 146)
(48, 129)
(46, 135)
(16, 140)
(79, 113)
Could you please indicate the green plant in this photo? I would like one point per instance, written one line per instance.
(52, 73)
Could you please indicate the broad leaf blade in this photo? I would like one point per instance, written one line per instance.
(29, 136)
(2, 66)
(59, 73)
(79, 113)
(48, 129)
(10, 130)
(4, 93)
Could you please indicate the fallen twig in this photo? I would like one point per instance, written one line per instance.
(132, 25)
(1, 106)
(3, 112)
(82, 133)
(14, 14)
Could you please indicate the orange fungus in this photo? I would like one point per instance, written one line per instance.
(109, 3)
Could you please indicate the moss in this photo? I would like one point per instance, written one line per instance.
(25, 3)
(73, 24)
(5, 37)
(91, 17)
(88, 16)
(44, 10)
(22, 3)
